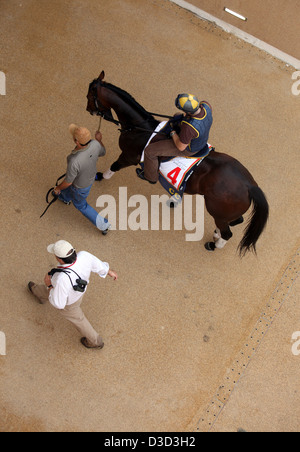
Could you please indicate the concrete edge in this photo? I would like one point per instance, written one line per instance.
(288, 59)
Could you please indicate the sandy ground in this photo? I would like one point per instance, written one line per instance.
(178, 318)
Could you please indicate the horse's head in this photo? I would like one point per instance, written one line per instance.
(96, 105)
(92, 98)
(103, 98)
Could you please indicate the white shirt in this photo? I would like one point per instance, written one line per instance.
(63, 294)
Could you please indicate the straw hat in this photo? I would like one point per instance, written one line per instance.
(81, 134)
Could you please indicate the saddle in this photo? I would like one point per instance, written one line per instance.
(174, 172)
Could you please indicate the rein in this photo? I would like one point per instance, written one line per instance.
(114, 121)
(160, 116)
(55, 197)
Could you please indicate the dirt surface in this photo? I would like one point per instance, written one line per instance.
(178, 316)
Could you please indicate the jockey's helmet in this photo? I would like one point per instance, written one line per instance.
(187, 103)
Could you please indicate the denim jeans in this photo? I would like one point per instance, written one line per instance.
(78, 197)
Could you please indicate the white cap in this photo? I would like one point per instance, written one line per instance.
(61, 249)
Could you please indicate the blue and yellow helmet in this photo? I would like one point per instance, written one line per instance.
(187, 103)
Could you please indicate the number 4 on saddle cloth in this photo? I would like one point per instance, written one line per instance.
(175, 172)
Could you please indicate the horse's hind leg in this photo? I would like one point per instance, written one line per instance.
(221, 236)
(217, 234)
(236, 222)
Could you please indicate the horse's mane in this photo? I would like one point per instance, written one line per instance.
(128, 98)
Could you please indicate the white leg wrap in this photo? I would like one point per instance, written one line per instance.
(217, 234)
(108, 174)
(220, 243)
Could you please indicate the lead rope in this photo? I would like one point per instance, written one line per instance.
(99, 124)
(55, 197)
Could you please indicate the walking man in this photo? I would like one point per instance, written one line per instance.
(81, 174)
(65, 286)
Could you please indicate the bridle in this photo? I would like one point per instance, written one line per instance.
(100, 113)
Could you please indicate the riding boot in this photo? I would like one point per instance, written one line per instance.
(141, 175)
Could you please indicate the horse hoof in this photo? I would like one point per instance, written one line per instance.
(210, 246)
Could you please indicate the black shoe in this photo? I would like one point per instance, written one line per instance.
(99, 177)
(30, 286)
(105, 232)
(67, 203)
(141, 175)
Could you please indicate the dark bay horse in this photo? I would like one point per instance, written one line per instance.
(227, 186)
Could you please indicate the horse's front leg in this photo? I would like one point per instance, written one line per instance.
(108, 174)
(115, 167)
(120, 164)
(131, 145)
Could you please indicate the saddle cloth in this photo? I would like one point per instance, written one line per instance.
(176, 171)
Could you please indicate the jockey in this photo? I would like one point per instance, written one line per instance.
(195, 126)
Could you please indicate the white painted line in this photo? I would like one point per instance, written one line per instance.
(233, 13)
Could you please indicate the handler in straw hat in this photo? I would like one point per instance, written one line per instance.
(81, 174)
(65, 286)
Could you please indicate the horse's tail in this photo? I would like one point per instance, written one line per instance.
(257, 221)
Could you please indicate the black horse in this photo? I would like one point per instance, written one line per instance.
(228, 187)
